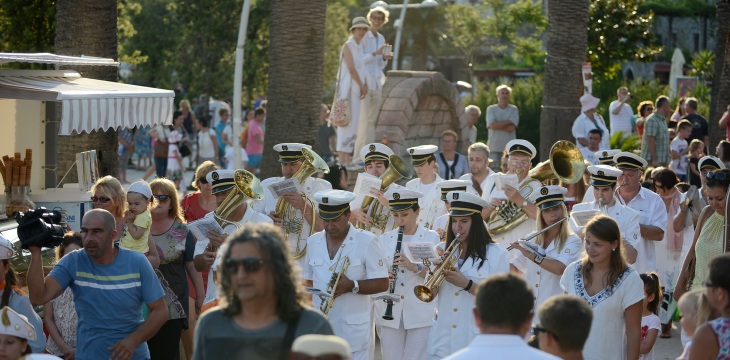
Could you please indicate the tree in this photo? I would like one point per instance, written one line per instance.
(295, 76)
(567, 46)
(76, 35)
(27, 27)
(617, 32)
(466, 31)
(720, 83)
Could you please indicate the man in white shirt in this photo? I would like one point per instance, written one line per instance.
(479, 166)
(373, 45)
(620, 113)
(594, 142)
(503, 315)
(651, 208)
(564, 325)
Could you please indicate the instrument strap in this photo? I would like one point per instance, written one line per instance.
(476, 185)
(450, 170)
(291, 328)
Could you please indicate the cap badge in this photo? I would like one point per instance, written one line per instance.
(600, 173)
(605, 154)
(544, 191)
(285, 148)
(456, 196)
(371, 148)
(325, 200)
(410, 151)
(396, 196)
(215, 176)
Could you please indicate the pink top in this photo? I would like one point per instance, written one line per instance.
(252, 146)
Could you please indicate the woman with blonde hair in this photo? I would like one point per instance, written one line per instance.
(644, 109)
(544, 259)
(615, 291)
(177, 246)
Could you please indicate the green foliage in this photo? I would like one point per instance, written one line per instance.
(625, 142)
(335, 35)
(703, 65)
(617, 31)
(679, 8)
(465, 30)
(27, 26)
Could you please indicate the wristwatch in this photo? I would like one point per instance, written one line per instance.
(538, 259)
(356, 287)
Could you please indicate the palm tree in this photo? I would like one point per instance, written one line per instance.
(88, 27)
(296, 68)
(720, 82)
(567, 49)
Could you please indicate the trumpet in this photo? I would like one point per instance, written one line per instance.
(340, 268)
(427, 291)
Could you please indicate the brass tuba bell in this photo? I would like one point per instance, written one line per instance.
(397, 169)
(247, 185)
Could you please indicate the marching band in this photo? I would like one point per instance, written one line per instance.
(363, 263)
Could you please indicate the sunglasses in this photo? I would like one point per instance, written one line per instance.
(203, 180)
(716, 175)
(250, 264)
(100, 199)
(536, 330)
(162, 198)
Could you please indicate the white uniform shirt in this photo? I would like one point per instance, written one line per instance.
(483, 184)
(545, 284)
(431, 204)
(526, 227)
(374, 65)
(414, 312)
(352, 314)
(626, 218)
(582, 125)
(453, 326)
(511, 347)
(250, 216)
(652, 211)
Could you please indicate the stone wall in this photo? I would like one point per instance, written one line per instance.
(417, 107)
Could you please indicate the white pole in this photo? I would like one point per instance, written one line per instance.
(399, 31)
(237, 79)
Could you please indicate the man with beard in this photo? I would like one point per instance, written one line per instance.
(479, 167)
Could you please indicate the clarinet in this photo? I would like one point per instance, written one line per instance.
(389, 309)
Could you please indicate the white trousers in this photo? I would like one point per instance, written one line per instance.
(369, 111)
(402, 344)
(362, 355)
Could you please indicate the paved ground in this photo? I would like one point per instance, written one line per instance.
(663, 349)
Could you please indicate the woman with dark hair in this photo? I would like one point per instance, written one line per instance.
(477, 257)
(337, 177)
(708, 240)
(712, 339)
(723, 152)
(60, 314)
(262, 308)
(615, 291)
(644, 109)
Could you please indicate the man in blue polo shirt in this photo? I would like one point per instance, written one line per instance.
(109, 285)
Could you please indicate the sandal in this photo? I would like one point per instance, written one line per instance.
(666, 335)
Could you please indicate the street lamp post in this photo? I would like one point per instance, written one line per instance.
(401, 21)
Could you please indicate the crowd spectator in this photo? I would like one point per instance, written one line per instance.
(176, 245)
(643, 111)
(655, 142)
(712, 339)
(650, 323)
(125, 151)
(595, 137)
(614, 290)
(472, 113)
(451, 164)
(190, 123)
(352, 72)
(724, 124)
(723, 152)
(679, 113)
(175, 170)
(678, 150)
(60, 315)
(262, 319)
(710, 226)
(700, 128)
(223, 132)
(502, 121)
(688, 306)
(207, 143)
(588, 120)
(563, 326)
(110, 285)
(695, 153)
(255, 140)
(620, 113)
(373, 45)
(326, 136)
(143, 147)
(503, 314)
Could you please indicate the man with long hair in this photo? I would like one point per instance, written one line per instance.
(262, 307)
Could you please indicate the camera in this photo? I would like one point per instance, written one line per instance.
(40, 228)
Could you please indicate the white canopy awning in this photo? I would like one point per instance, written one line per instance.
(89, 104)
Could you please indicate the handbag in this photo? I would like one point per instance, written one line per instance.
(161, 148)
(340, 113)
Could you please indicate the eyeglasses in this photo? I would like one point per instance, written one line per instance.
(202, 180)
(100, 199)
(536, 330)
(716, 175)
(250, 264)
(161, 198)
(518, 162)
(379, 18)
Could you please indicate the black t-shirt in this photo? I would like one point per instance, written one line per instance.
(699, 127)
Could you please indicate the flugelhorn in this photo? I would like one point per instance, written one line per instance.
(427, 292)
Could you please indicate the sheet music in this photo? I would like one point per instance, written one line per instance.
(417, 251)
(500, 180)
(284, 186)
(581, 218)
(365, 182)
(200, 227)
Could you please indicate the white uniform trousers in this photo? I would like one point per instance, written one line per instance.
(404, 344)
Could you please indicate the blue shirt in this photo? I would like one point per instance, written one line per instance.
(219, 127)
(108, 299)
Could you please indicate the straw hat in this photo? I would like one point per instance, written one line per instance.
(360, 22)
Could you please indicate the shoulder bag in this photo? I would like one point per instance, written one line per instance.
(340, 113)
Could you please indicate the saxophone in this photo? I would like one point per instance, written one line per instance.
(389, 309)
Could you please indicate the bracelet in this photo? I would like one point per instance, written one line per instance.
(468, 286)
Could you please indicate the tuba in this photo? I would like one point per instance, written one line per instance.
(397, 170)
(427, 292)
(293, 219)
(564, 163)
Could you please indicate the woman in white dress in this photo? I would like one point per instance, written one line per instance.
(478, 258)
(614, 290)
(557, 246)
(352, 79)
